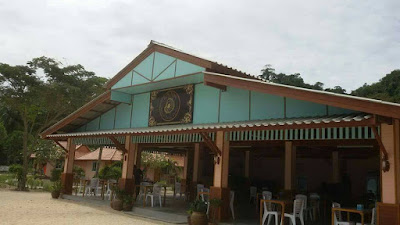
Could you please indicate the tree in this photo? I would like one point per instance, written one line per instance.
(387, 89)
(39, 101)
(336, 89)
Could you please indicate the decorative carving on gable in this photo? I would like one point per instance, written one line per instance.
(171, 106)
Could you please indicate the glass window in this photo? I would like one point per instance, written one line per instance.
(94, 166)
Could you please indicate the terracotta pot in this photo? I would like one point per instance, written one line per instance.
(117, 204)
(55, 194)
(127, 207)
(198, 218)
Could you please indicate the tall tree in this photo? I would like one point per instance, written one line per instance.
(40, 101)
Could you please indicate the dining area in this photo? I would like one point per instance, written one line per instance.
(303, 209)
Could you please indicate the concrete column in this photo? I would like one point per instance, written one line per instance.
(185, 165)
(127, 181)
(388, 209)
(67, 178)
(335, 167)
(390, 179)
(196, 160)
(247, 164)
(290, 165)
(220, 190)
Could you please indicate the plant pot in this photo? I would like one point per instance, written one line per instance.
(117, 204)
(127, 207)
(198, 218)
(55, 194)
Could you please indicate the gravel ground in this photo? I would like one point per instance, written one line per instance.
(40, 208)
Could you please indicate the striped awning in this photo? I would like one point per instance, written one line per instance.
(351, 120)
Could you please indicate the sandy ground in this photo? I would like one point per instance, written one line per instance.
(40, 208)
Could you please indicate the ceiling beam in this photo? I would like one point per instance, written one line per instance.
(210, 144)
(118, 144)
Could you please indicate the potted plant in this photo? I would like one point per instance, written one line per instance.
(215, 203)
(117, 202)
(127, 202)
(197, 213)
(56, 189)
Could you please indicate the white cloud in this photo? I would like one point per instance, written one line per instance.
(343, 43)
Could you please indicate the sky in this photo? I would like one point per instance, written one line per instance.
(343, 42)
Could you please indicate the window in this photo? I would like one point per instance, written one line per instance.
(94, 166)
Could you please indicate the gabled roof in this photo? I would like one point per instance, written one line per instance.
(210, 65)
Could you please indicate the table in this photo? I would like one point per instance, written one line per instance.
(350, 210)
(149, 186)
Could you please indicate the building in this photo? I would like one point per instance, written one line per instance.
(227, 123)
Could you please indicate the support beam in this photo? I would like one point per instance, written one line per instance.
(127, 181)
(62, 147)
(118, 145)
(218, 86)
(210, 144)
(68, 176)
(335, 167)
(290, 165)
(196, 159)
(247, 164)
(220, 189)
(185, 165)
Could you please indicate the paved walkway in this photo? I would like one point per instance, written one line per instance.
(40, 208)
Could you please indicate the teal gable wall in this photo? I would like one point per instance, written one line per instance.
(156, 67)
(212, 105)
(266, 106)
(107, 120)
(93, 125)
(299, 108)
(140, 112)
(234, 105)
(123, 116)
(206, 104)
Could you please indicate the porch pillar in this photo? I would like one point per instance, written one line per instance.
(67, 177)
(247, 164)
(335, 167)
(127, 181)
(220, 190)
(290, 165)
(196, 163)
(389, 208)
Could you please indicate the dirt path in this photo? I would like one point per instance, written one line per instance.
(40, 208)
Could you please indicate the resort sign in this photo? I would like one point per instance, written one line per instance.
(171, 106)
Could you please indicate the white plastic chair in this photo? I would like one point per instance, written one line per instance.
(373, 218)
(204, 197)
(93, 187)
(268, 211)
(337, 219)
(156, 194)
(231, 200)
(178, 190)
(109, 191)
(142, 190)
(199, 187)
(253, 194)
(315, 205)
(306, 210)
(297, 212)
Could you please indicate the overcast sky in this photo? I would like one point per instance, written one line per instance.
(343, 42)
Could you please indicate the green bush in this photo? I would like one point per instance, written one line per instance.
(112, 171)
(55, 175)
(17, 170)
(47, 186)
(78, 172)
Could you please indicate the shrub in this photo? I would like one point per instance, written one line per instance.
(55, 175)
(198, 206)
(17, 170)
(78, 172)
